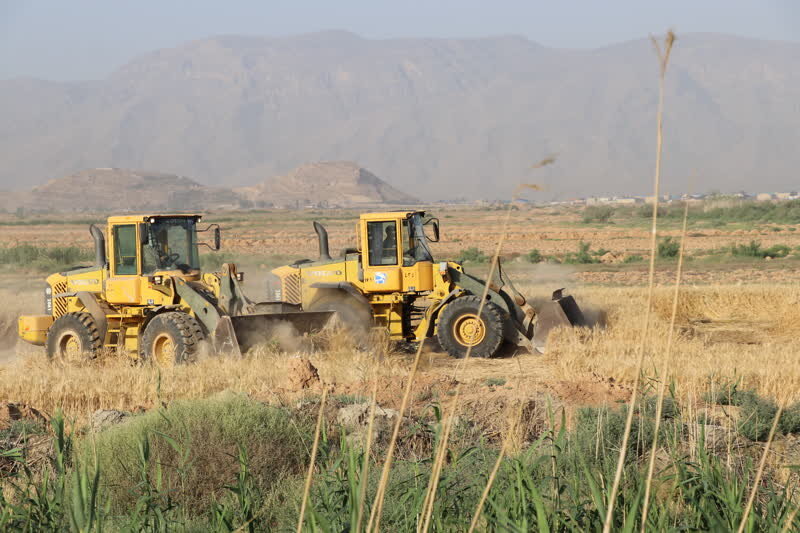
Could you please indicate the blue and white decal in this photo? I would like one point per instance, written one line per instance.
(380, 278)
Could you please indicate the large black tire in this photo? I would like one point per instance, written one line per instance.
(171, 338)
(459, 326)
(73, 338)
(352, 316)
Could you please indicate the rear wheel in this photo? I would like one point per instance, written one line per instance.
(171, 338)
(73, 337)
(460, 328)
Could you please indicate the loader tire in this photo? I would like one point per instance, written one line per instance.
(459, 327)
(352, 316)
(73, 338)
(170, 339)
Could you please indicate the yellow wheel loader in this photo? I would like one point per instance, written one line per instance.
(146, 297)
(391, 280)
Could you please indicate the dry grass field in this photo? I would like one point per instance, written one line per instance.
(736, 320)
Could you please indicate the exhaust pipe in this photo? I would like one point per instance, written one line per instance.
(99, 246)
(322, 234)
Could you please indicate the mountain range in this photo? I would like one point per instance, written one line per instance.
(436, 118)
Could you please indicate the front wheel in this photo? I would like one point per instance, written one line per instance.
(171, 338)
(73, 338)
(460, 328)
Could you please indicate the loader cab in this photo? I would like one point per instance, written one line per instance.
(396, 256)
(140, 247)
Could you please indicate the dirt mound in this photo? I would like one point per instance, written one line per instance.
(593, 392)
(13, 412)
(302, 374)
(328, 184)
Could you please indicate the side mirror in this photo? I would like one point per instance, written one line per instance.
(434, 222)
(144, 235)
(217, 239)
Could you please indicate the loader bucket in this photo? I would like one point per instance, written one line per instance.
(559, 311)
(237, 334)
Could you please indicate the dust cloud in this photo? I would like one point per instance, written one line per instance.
(16, 303)
(541, 279)
(553, 276)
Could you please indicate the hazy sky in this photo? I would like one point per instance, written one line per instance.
(82, 39)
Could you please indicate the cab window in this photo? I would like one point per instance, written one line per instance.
(125, 250)
(382, 243)
(415, 246)
(171, 244)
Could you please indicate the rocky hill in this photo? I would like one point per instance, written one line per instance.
(331, 184)
(447, 117)
(120, 190)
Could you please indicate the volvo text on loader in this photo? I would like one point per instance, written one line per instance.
(392, 280)
(146, 297)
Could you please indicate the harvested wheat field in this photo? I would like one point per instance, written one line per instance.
(724, 335)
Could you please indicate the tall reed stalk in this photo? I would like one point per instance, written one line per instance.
(377, 506)
(312, 461)
(441, 451)
(364, 478)
(476, 516)
(762, 462)
(665, 369)
(663, 60)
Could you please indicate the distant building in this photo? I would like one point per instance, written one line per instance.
(764, 197)
(627, 200)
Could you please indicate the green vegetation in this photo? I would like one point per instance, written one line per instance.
(230, 463)
(534, 256)
(194, 445)
(582, 257)
(763, 212)
(633, 258)
(595, 214)
(668, 248)
(472, 255)
(757, 413)
(741, 212)
(715, 214)
(754, 249)
(348, 399)
(45, 259)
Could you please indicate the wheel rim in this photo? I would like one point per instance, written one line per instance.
(164, 351)
(70, 347)
(469, 330)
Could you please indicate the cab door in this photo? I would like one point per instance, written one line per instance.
(382, 256)
(123, 286)
(417, 271)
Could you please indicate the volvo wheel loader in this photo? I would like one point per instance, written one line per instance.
(147, 298)
(391, 280)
